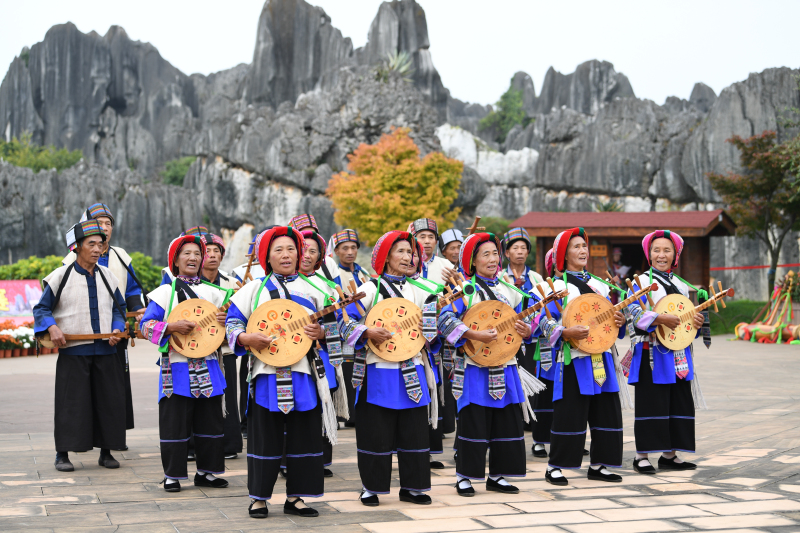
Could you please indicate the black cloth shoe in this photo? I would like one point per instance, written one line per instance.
(284, 473)
(122, 449)
(371, 501)
(597, 475)
(190, 457)
(231, 455)
(437, 465)
(327, 472)
(670, 464)
(291, 508)
(349, 424)
(538, 453)
(422, 499)
(560, 481)
(244, 434)
(261, 512)
(469, 492)
(643, 469)
(203, 481)
(171, 487)
(62, 463)
(585, 452)
(108, 461)
(496, 486)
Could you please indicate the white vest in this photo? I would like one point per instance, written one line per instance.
(114, 265)
(72, 312)
(435, 267)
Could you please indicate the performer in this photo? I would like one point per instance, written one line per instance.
(450, 244)
(517, 247)
(426, 232)
(393, 398)
(618, 268)
(329, 268)
(581, 392)
(119, 262)
(545, 370)
(664, 417)
(488, 398)
(84, 298)
(285, 397)
(190, 390)
(345, 245)
(232, 442)
(331, 355)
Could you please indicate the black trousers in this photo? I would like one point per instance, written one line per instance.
(178, 418)
(122, 355)
(244, 390)
(499, 430)
(664, 417)
(303, 444)
(347, 372)
(380, 433)
(435, 436)
(232, 441)
(448, 411)
(89, 403)
(570, 416)
(543, 408)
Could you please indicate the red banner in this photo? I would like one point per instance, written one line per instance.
(17, 298)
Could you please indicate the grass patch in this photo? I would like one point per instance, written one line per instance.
(736, 312)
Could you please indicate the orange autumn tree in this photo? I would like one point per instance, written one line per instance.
(388, 185)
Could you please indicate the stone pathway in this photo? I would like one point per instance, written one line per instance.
(748, 479)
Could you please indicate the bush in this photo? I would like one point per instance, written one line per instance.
(39, 267)
(175, 170)
(737, 311)
(148, 273)
(23, 153)
(508, 113)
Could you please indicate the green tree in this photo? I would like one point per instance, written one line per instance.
(763, 200)
(23, 153)
(508, 113)
(148, 273)
(388, 185)
(175, 171)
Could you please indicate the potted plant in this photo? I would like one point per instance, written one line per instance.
(5, 345)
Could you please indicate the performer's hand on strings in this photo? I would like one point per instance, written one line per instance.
(378, 335)
(699, 319)
(523, 329)
(184, 327)
(57, 336)
(112, 341)
(221, 318)
(256, 341)
(575, 333)
(314, 331)
(485, 336)
(671, 321)
(619, 319)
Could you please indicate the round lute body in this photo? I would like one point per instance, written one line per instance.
(682, 336)
(596, 313)
(283, 321)
(401, 317)
(208, 334)
(501, 317)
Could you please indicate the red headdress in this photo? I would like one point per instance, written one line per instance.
(384, 245)
(310, 234)
(264, 243)
(562, 243)
(548, 262)
(175, 248)
(466, 257)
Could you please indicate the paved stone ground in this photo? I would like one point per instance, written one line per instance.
(748, 480)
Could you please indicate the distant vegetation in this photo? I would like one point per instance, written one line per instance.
(175, 170)
(508, 112)
(23, 153)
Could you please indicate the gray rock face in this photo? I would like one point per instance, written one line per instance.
(703, 97)
(38, 209)
(592, 84)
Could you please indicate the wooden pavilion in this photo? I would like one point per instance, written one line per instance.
(609, 230)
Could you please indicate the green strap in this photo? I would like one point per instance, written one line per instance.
(514, 287)
(537, 355)
(258, 294)
(701, 293)
(377, 291)
(474, 291)
(165, 348)
(604, 282)
(436, 289)
(328, 299)
(228, 292)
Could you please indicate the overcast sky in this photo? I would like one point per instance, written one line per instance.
(663, 47)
